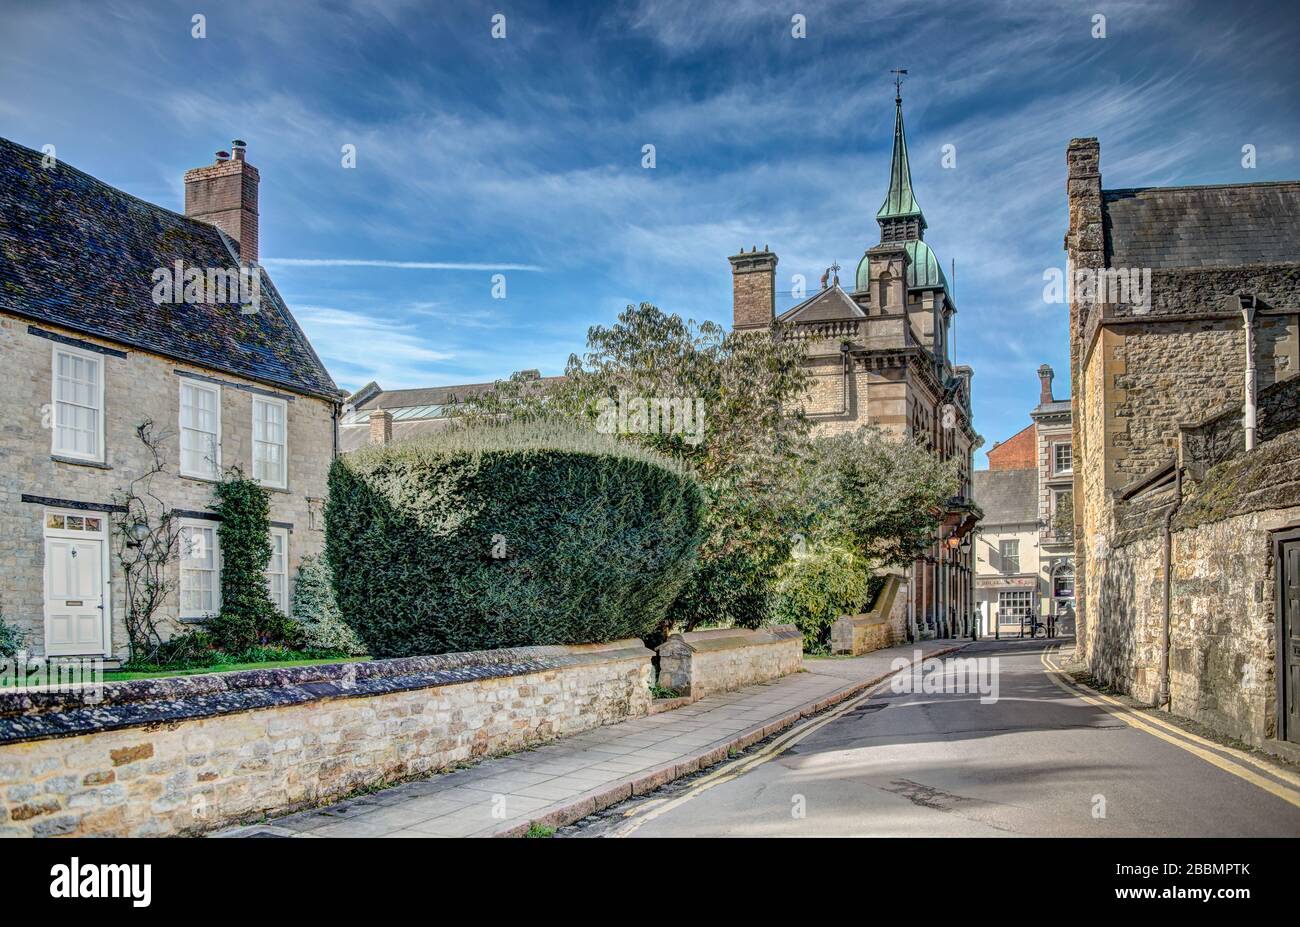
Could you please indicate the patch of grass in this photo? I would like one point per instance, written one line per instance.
(658, 691)
(123, 675)
(540, 830)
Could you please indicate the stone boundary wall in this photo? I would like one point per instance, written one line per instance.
(854, 635)
(1222, 624)
(1222, 436)
(701, 663)
(874, 630)
(187, 754)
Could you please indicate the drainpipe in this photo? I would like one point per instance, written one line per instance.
(1162, 697)
(911, 602)
(334, 428)
(1247, 303)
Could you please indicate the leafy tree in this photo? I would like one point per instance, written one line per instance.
(747, 456)
(768, 486)
(881, 496)
(815, 588)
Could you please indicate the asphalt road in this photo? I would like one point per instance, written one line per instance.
(1036, 761)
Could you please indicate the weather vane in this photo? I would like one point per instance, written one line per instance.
(898, 81)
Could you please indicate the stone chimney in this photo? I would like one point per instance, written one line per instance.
(225, 195)
(1085, 241)
(381, 426)
(753, 280)
(1045, 376)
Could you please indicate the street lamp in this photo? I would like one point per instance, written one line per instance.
(139, 530)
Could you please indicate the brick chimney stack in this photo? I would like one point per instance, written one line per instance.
(1045, 377)
(225, 195)
(381, 426)
(753, 279)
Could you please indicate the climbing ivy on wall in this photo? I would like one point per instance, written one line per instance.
(248, 617)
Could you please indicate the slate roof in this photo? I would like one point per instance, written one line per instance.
(1006, 496)
(432, 396)
(1211, 226)
(415, 412)
(352, 437)
(77, 253)
(830, 303)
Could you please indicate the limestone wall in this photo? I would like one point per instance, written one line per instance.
(137, 386)
(188, 754)
(854, 635)
(700, 663)
(875, 629)
(1222, 628)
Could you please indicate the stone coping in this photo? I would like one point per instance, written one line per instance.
(732, 638)
(864, 618)
(38, 714)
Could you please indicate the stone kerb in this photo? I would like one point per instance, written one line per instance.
(701, 663)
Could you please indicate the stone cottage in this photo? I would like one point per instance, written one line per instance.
(879, 353)
(1185, 355)
(115, 312)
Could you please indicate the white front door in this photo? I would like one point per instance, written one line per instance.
(76, 584)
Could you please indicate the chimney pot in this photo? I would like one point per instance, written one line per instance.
(225, 195)
(1045, 377)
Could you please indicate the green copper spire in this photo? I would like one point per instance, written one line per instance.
(900, 202)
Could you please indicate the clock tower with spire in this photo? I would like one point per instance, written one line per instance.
(880, 355)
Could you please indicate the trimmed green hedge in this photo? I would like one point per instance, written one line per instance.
(507, 536)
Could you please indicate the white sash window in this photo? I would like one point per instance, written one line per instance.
(269, 441)
(277, 571)
(200, 430)
(200, 562)
(78, 409)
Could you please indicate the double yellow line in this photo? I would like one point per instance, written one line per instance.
(1280, 782)
(726, 772)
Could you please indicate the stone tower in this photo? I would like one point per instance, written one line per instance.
(879, 355)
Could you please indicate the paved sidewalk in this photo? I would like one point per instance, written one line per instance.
(564, 781)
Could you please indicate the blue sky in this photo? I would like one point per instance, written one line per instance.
(526, 152)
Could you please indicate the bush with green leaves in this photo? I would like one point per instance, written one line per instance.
(815, 588)
(248, 617)
(752, 386)
(877, 495)
(12, 638)
(315, 609)
(508, 535)
(196, 649)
